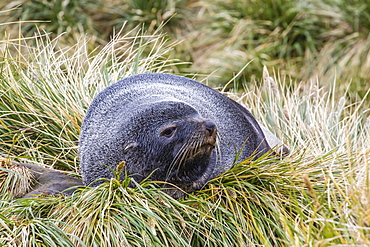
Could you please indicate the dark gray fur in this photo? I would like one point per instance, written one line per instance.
(118, 117)
(49, 181)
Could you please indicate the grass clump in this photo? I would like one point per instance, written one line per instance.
(318, 196)
(315, 196)
(303, 39)
(46, 89)
(299, 201)
(15, 180)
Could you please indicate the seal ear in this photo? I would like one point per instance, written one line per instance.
(129, 146)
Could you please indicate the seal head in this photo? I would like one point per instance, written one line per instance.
(173, 142)
(164, 141)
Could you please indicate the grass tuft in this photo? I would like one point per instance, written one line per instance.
(15, 180)
(314, 196)
(46, 89)
(318, 196)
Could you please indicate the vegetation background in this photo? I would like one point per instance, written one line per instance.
(56, 55)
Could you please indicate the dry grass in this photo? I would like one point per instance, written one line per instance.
(305, 40)
(45, 90)
(318, 196)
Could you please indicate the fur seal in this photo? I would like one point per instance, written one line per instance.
(169, 128)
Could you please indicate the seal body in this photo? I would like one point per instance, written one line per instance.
(166, 127)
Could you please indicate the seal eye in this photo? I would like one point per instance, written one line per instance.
(168, 132)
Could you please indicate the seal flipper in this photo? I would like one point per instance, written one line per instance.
(275, 142)
(269, 138)
(49, 182)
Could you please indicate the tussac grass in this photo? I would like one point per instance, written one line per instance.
(43, 104)
(318, 196)
(303, 39)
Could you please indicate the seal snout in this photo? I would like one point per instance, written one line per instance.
(210, 126)
(211, 131)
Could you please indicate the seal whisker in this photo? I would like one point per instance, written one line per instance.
(189, 150)
(180, 156)
(184, 156)
(218, 153)
(195, 145)
(218, 148)
(178, 163)
(175, 160)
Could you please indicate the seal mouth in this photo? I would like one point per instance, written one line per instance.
(192, 174)
(197, 159)
(204, 149)
(191, 168)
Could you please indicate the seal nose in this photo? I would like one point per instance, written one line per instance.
(210, 127)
